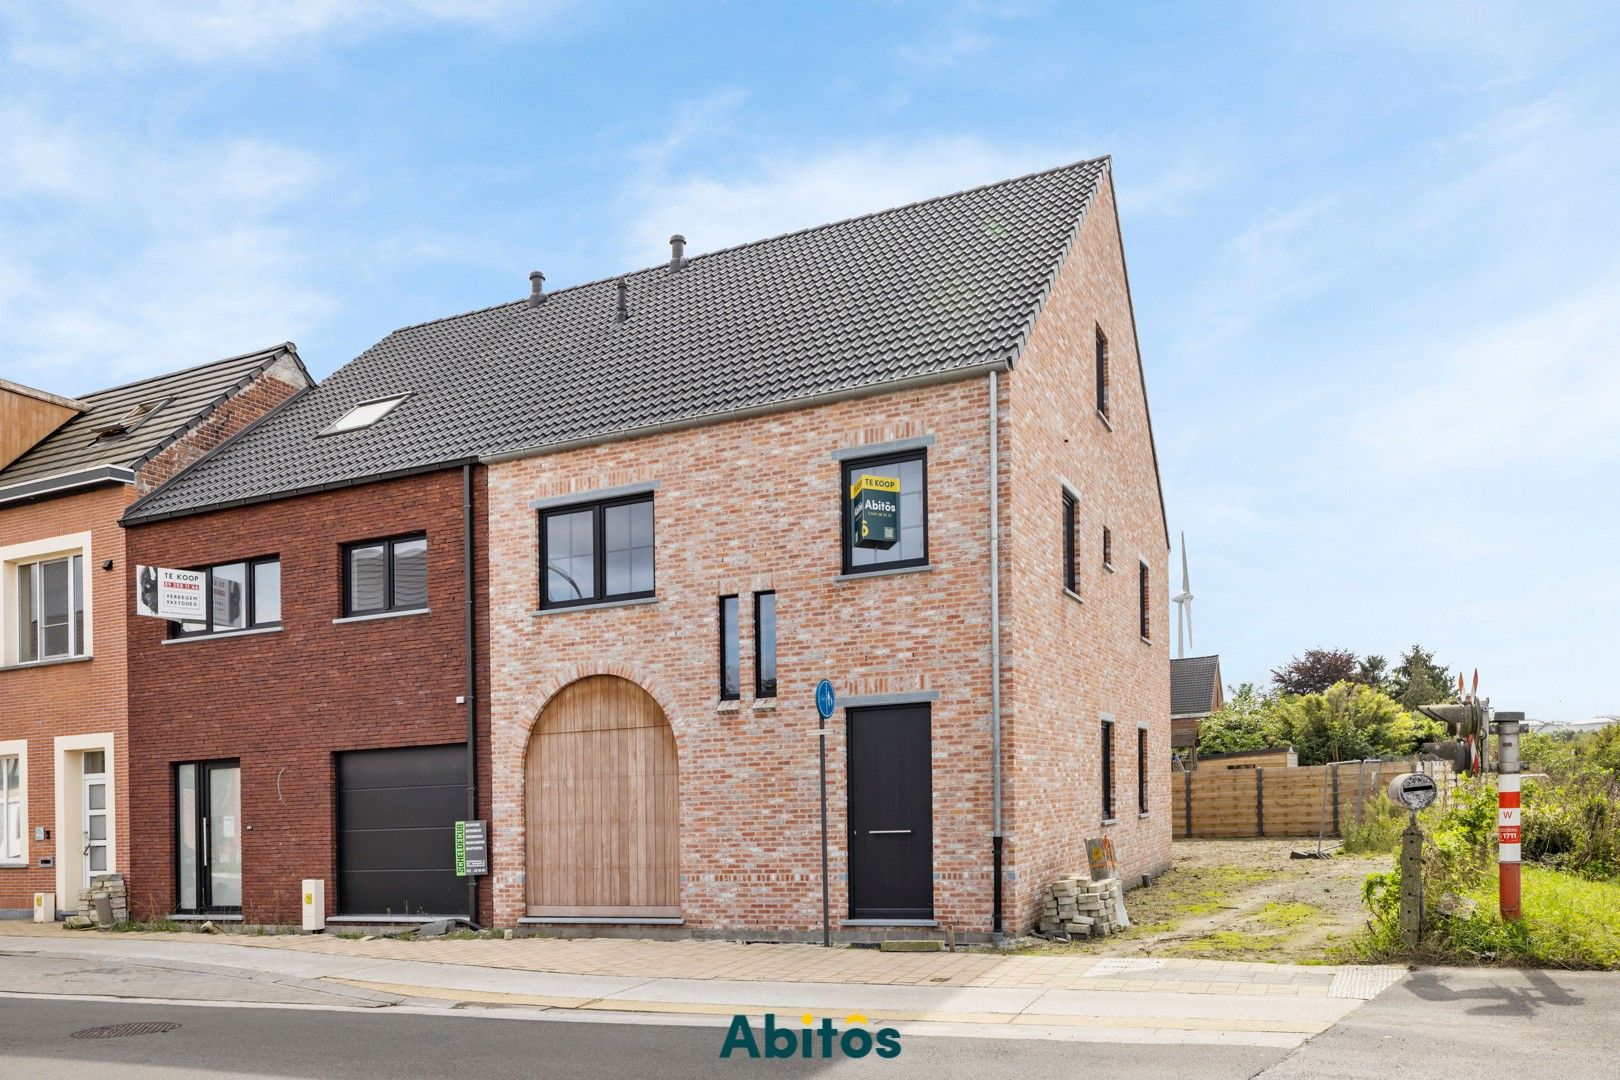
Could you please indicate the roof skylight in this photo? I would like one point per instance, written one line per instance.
(364, 415)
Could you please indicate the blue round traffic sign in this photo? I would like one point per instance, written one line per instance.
(826, 701)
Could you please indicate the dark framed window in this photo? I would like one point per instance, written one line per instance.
(240, 596)
(1108, 547)
(1107, 752)
(1144, 597)
(730, 650)
(912, 548)
(764, 644)
(1141, 771)
(596, 551)
(385, 576)
(1102, 372)
(1068, 542)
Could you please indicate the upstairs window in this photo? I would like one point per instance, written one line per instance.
(910, 548)
(1102, 373)
(1108, 547)
(50, 609)
(597, 552)
(764, 644)
(364, 415)
(730, 650)
(384, 576)
(240, 596)
(1068, 542)
(1144, 598)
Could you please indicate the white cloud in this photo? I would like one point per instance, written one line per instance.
(78, 33)
(779, 192)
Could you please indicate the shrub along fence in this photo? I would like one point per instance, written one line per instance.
(1286, 801)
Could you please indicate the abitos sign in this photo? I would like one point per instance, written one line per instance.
(874, 511)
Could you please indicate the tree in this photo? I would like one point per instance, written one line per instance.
(1418, 680)
(1373, 671)
(1245, 722)
(1316, 671)
(1349, 722)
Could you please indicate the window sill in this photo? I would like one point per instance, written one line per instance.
(1107, 423)
(1108, 566)
(1072, 595)
(52, 662)
(374, 616)
(1110, 821)
(1143, 817)
(728, 705)
(598, 606)
(202, 917)
(763, 704)
(1147, 641)
(14, 864)
(860, 574)
(222, 636)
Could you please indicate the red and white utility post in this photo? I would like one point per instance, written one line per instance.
(1508, 817)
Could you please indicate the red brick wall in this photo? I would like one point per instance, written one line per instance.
(1070, 661)
(276, 384)
(285, 702)
(78, 698)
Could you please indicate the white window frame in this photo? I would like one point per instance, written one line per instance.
(365, 414)
(17, 556)
(17, 748)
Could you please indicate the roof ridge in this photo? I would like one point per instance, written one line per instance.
(1102, 160)
(286, 346)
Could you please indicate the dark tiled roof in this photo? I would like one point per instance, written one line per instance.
(182, 397)
(928, 289)
(1194, 681)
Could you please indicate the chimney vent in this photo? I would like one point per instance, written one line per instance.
(624, 299)
(537, 288)
(677, 252)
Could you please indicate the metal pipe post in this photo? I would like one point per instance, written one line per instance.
(1508, 817)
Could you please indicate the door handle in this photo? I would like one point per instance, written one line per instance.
(888, 832)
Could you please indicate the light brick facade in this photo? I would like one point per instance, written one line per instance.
(749, 810)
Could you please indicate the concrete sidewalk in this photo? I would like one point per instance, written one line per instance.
(1111, 1000)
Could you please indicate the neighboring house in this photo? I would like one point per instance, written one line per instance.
(1195, 692)
(69, 467)
(666, 564)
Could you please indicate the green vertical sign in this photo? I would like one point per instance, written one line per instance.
(461, 849)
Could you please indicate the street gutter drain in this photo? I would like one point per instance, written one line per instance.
(119, 1031)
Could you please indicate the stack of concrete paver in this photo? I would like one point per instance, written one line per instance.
(1078, 905)
(110, 887)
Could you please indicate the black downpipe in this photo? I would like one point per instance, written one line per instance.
(995, 869)
(472, 673)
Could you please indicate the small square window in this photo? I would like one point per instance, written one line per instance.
(598, 551)
(384, 576)
(911, 546)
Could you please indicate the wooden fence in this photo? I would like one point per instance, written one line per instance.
(1286, 801)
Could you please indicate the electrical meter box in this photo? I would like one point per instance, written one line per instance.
(314, 894)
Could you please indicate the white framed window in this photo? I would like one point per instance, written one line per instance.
(45, 600)
(364, 415)
(13, 801)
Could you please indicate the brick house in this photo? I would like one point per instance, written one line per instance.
(671, 474)
(1195, 693)
(68, 469)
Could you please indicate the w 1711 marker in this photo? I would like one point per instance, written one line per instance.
(1508, 812)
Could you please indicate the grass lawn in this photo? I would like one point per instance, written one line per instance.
(1569, 922)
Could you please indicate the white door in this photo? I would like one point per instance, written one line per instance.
(97, 815)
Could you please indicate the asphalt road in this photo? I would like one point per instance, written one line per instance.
(36, 1042)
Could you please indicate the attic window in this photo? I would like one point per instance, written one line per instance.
(364, 415)
(130, 420)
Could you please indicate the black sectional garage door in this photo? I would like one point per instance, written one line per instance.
(397, 814)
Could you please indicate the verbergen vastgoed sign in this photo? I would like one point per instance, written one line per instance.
(171, 594)
(874, 511)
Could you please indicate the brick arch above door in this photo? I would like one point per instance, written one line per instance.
(558, 678)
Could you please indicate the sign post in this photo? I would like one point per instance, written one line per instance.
(1413, 792)
(826, 702)
(1508, 817)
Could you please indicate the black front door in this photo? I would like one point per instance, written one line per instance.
(891, 814)
(397, 814)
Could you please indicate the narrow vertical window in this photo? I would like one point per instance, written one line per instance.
(1141, 770)
(1068, 542)
(1102, 372)
(764, 644)
(730, 660)
(1107, 751)
(1144, 598)
(1108, 547)
(11, 822)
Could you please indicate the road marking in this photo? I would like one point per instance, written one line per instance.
(1365, 982)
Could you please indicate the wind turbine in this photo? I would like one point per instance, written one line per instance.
(1183, 601)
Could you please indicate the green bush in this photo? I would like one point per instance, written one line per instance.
(1378, 831)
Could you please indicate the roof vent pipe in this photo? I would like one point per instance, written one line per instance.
(624, 299)
(537, 288)
(677, 252)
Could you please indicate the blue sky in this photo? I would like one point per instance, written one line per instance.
(1374, 249)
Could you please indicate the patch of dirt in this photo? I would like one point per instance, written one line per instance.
(1240, 900)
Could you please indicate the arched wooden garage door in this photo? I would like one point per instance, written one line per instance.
(603, 809)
